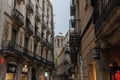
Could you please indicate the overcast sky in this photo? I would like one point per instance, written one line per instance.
(62, 15)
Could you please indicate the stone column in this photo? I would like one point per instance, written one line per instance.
(29, 73)
(18, 72)
(3, 69)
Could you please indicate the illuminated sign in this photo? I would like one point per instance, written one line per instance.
(11, 68)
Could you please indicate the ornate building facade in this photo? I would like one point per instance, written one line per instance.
(58, 44)
(64, 60)
(106, 17)
(26, 40)
(96, 38)
(82, 40)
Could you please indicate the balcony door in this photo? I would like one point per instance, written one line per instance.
(14, 35)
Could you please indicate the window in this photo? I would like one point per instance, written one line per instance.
(26, 43)
(58, 43)
(14, 35)
(61, 42)
(21, 38)
(35, 48)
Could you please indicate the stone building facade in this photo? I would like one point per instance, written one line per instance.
(106, 17)
(26, 39)
(64, 60)
(96, 27)
(58, 44)
(84, 34)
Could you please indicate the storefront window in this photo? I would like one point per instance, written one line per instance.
(24, 72)
(23, 77)
(11, 70)
(9, 76)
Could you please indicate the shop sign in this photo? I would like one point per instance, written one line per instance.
(96, 53)
(25, 69)
(11, 68)
(2, 60)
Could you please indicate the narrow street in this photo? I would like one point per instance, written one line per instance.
(59, 39)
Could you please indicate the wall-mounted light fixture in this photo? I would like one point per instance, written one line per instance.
(46, 73)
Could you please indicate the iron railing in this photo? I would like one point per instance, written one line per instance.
(74, 46)
(18, 17)
(16, 49)
(29, 26)
(30, 6)
(37, 16)
(72, 8)
(38, 35)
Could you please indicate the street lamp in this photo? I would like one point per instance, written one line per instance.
(46, 74)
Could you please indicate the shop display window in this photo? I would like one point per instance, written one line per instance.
(9, 76)
(23, 77)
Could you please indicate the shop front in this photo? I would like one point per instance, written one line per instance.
(24, 74)
(11, 70)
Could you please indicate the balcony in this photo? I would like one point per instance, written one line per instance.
(74, 46)
(49, 30)
(15, 49)
(38, 35)
(29, 27)
(18, 18)
(74, 39)
(30, 7)
(44, 22)
(11, 48)
(72, 10)
(106, 11)
(74, 23)
(37, 16)
(50, 44)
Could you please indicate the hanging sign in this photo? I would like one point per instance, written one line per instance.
(2, 60)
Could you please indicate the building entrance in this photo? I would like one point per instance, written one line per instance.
(11, 70)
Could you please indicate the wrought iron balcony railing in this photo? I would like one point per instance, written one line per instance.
(74, 46)
(49, 29)
(13, 48)
(74, 39)
(44, 22)
(16, 49)
(74, 23)
(72, 8)
(37, 34)
(30, 6)
(29, 27)
(106, 10)
(37, 16)
(17, 17)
